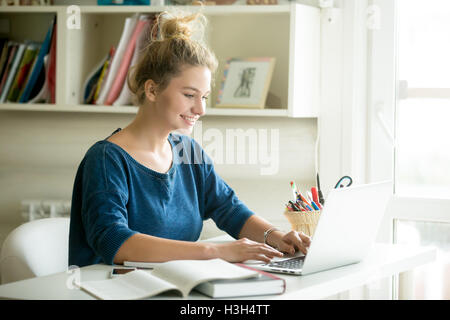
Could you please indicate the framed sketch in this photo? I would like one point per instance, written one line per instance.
(245, 83)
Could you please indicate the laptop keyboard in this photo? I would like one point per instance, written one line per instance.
(293, 263)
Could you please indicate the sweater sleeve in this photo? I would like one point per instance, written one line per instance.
(105, 222)
(104, 214)
(221, 202)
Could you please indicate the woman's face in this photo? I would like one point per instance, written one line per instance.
(183, 101)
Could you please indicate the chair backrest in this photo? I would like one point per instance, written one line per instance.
(36, 248)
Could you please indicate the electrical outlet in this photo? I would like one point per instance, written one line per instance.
(38, 209)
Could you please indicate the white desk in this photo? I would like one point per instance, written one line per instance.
(383, 261)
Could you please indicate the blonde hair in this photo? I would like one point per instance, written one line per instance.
(170, 47)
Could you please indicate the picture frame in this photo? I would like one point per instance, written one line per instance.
(245, 82)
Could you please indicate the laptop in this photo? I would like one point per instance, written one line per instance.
(345, 233)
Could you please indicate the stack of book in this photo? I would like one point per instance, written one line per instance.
(107, 84)
(215, 278)
(27, 70)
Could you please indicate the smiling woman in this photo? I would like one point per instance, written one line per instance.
(135, 200)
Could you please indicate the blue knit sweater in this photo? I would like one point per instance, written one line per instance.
(114, 197)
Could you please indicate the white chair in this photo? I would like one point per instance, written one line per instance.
(36, 248)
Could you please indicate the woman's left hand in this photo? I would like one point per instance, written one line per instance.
(289, 242)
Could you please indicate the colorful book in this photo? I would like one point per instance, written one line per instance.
(38, 66)
(103, 74)
(125, 63)
(129, 26)
(40, 92)
(125, 94)
(23, 71)
(124, 98)
(90, 85)
(33, 65)
(12, 72)
(9, 62)
(4, 57)
(51, 74)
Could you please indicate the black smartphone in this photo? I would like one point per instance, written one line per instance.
(120, 271)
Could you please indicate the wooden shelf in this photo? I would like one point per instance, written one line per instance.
(68, 108)
(209, 10)
(288, 32)
(31, 9)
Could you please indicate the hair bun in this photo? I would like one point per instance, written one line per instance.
(176, 39)
(177, 26)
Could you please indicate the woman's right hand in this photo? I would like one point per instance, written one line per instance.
(245, 249)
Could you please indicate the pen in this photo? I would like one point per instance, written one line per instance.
(290, 207)
(300, 206)
(316, 207)
(307, 204)
(293, 206)
(321, 200)
(304, 205)
(294, 190)
(313, 204)
(315, 197)
(309, 196)
(314, 194)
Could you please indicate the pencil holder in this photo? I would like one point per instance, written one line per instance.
(301, 221)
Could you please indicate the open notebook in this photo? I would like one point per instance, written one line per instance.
(180, 276)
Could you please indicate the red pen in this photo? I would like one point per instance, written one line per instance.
(315, 196)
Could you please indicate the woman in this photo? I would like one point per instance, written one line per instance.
(142, 194)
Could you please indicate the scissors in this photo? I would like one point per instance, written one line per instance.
(340, 183)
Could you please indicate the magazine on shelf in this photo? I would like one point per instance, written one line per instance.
(124, 98)
(8, 64)
(41, 92)
(119, 79)
(23, 71)
(51, 72)
(38, 66)
(93, 80)
(128, 29)
(12, 71)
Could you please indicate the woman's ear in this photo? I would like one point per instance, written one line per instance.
(150, 90)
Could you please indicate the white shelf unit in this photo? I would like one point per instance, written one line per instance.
(290, 33)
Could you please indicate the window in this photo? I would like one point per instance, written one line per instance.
(422, 132)
(423, 108)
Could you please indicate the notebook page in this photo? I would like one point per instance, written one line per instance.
(137, 284)
(186, 274)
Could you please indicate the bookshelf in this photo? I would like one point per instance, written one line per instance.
(290, 33)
